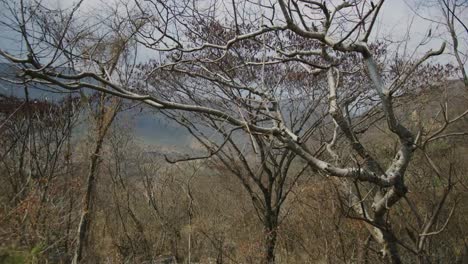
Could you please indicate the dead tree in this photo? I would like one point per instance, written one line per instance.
(204, 49)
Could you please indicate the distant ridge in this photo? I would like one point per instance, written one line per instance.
(149, 128)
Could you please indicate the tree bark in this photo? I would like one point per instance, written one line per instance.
(85, 212)
(390, 248)
(270, 245)
(271, 234)
(105, 119)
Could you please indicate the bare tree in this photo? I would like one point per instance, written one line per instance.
(203, 44)
(451, 11)
(34, 136)
(450, 16)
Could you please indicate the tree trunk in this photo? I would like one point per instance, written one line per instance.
(271, 233)
(270, 244)
(105, 119)
(85, 212)
(390, 249)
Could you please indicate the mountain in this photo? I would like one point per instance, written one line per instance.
(149, 127)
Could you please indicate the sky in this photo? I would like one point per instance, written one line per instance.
(395, 19)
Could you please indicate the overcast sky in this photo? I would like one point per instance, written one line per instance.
(395, 18)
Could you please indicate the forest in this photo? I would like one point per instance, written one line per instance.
(233, 131)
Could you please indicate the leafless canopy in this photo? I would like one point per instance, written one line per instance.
(263, 67)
